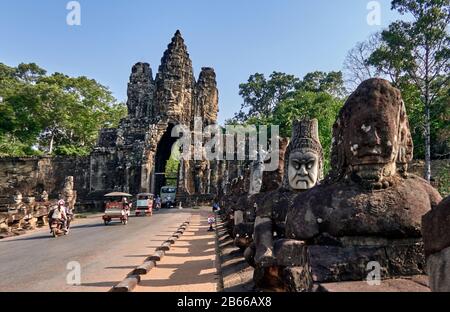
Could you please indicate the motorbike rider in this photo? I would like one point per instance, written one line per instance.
(69, 214)
(58, 214)
(158, 202)
(126, 205)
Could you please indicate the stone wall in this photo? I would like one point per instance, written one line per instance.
(33, 175)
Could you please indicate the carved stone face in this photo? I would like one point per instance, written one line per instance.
(256, 181)
(303, 169)
(371, 142)
(44, 196)
(68, 183)
(17, 198)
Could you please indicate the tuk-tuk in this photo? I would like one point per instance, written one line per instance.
(117, 206)
(144, 204)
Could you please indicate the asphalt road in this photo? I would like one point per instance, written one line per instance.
(106, 254)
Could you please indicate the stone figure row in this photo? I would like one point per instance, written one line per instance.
(313, 230)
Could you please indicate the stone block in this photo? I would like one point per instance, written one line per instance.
(334, 264)
(297, 279)
(290, 253)
(435, 225)
(438, 269)
(406, 260)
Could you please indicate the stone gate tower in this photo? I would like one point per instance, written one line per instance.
(132, 157)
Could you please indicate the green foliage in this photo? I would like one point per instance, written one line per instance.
(55, 114)
(70, 150)
(261, 95)
(443, 179)
(309, 105)
(415, 54)
(11, 147)
(332, 83)
(440, 123)
(318, 95)
(172, 166)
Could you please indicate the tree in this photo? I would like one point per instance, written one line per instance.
(83, 108)
(29, 73)
(54, 114)
(331, 83)
(172, 166)
(261, 95)
(309, 105)
(356, 66)
(418, 52)
(318, 95)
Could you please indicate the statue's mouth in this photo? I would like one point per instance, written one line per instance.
(370, 152)
(302, 180)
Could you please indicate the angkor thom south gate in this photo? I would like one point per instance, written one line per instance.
(132, 158)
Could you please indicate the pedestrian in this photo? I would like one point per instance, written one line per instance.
(211, 221)
(216, 207)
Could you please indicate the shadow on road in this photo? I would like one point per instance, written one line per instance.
(131, 267)
(46, 236)
(95, 225)
(100, 284)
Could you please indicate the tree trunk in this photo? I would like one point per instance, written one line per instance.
(427, 174)
(50, 149)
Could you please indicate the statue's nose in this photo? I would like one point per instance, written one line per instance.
(303, 170)
(373, 137)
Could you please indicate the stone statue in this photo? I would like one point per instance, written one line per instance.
(303, 165)
(18, 204)
(257, 171)
(198, 177)
(368, 200)
(68, 193)
(44, 196)
(436, 238)
(17, 198)
(262, 181)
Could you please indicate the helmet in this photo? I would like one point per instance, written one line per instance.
(61, 202)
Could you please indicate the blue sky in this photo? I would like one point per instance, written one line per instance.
(236, 37)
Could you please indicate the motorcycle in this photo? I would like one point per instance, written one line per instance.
(57, 228)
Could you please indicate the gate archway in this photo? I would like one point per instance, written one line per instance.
(163, 153)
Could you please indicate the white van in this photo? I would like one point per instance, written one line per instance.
(168, 194)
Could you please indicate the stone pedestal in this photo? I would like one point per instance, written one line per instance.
(305, 267)
(436, 235)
